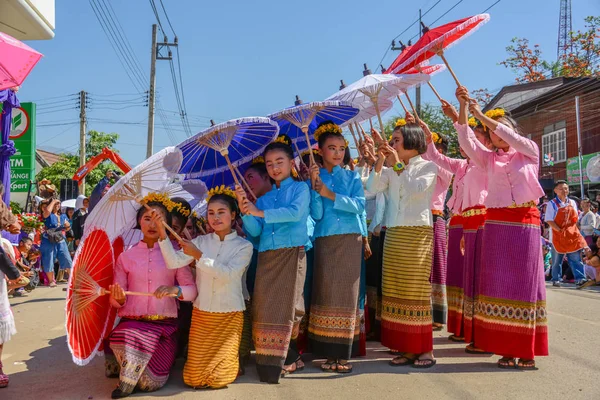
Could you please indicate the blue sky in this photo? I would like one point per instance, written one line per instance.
(244, 58)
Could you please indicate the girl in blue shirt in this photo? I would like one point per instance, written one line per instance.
(279, 219)
(338, 208)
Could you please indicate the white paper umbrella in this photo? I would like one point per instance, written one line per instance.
(117, 209)
(367, 111)
(372, 88)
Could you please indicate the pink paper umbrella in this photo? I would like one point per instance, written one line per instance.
(16, 61)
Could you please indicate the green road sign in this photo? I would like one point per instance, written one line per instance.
(22, 164)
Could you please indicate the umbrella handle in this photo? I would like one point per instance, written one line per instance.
(360, 129)
(139, 201)
(443, 57)
(354, 138)
(435, 91)
(245, 183)
(412, 106)
(402, 103)
(312, 156)
(298, 152)
(376, 103)
(371, 123)
(128, 293)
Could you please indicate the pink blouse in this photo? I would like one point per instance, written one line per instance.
(442, 181)
(141, 269)
(454, 166)
(513, 174)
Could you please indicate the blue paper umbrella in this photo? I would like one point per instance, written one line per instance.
(219, 176)
(222, 146)
(297, 122)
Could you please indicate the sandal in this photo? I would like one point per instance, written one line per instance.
(507, 363)
(296, 366)
(409, 361)
(471, 349)
(437, 327)
(428, 363)
(344, 368)
(526, 365)
(329, 366)
(457, 339)
(53, 284)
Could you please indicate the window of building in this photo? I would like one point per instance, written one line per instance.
(554, 141)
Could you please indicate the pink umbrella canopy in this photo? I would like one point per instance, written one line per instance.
(16, 61)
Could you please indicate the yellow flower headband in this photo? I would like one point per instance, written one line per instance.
(307, 152)
(472, 122)
(333, 128)
(258, 160)
(281, 139)
(220, 190)
(169, 204)
(495, 113)
(400, 122)
(436, 138)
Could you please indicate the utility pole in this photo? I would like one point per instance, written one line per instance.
(418, 89)
(151, 94)
(82, 132)
(579, 149)
(156, 55)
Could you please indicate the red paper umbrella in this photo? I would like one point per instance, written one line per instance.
(118, 247)
(393, 69)
(87, 313)
(435, 40)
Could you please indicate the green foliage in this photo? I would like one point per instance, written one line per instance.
(68, 164)
(15, 207)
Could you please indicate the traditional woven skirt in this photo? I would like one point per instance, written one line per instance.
(145, 351)
(373, 281)
(510, 312)
(246, 342)
(277, 309)
(454, 280)
(332, 327)
(302, 342)
(213, 356)
(406, 322)
(473, 223)
(362, 313)
(439, 300)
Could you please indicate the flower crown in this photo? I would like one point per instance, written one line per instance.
(437, 139)
(495, 113)
(400, 122)
(282, 139)
(220, 190)
(258, 160)
(307, 152)
(169, 204)
(473, 122)
(331, 127)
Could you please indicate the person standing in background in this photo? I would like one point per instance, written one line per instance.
(587, 221)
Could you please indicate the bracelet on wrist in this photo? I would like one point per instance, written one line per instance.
(399, 166)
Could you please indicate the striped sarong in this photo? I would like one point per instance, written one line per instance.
(406, 322)
(473, 223)
(277, 309)
(510, 312)
(454, 280)
(439, 300)
(213, 355)
(332, 326)
(145, 351)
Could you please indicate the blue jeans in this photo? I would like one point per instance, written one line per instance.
(575, 263)
(50, 251)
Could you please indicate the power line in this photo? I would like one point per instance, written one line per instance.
(167, 16)
(153, 5)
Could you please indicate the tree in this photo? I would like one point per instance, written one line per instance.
(584, 57)
(483, 96)
(68, 164)
(527, 63)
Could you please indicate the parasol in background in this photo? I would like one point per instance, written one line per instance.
(223, 145)
(298, 121)
(436, 40)
(16, 61)
(118, 207)
(372, 88)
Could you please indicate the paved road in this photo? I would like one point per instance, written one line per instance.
(40, 365)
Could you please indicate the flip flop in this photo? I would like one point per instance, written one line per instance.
(510, 363)
(409, 361)
(428, 363)
(530, 367)
(347, 365)
(330, 365)
(437, 328)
